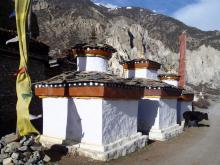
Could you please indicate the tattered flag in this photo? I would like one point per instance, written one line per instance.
(35, 117)
(15, 39)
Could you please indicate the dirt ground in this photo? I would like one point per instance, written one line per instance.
(196, 146)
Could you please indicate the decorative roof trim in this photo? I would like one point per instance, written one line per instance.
(99, 53)
(94, 46)
(90, 91)
(147, 65)
(160, 97)
(87, 84)
(163, 92)
(141, 63)
(169, 77)
(186, 97)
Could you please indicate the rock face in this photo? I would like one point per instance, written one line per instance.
(134, 32)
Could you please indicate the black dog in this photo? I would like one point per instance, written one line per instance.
(194, 116)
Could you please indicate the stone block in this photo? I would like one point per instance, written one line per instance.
(11, 147)
(10, 138)
(7, 161)
(15, 156)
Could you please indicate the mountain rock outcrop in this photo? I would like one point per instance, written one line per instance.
(134, 32)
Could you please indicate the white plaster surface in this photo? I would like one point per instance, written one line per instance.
(166, 133)
(114, 150)
(171, 82)
(69, 118)
(119, 119)
(148, 111)
(98, 125)
(183, 106)
(55, 117)
(91, 121)
(89, 113)
(158, 117)
(142, 73)
(111, 151)
(168, 113)
(92, 64)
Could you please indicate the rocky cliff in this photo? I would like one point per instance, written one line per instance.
(134, 32)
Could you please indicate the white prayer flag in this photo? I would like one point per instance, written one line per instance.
(15, 39)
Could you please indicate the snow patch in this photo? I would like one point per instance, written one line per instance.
(107, 5)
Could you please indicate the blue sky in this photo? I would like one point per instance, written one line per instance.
(162, 6)
(203, 14)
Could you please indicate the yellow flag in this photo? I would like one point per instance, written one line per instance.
(23, 83)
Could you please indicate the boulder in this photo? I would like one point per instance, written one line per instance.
(11, 147)
(15, 156)
(7, 161)
(10, 138)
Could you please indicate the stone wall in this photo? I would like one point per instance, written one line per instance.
(8, 66)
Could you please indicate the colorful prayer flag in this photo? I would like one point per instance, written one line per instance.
(23, 82)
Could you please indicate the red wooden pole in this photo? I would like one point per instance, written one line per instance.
(182, 64)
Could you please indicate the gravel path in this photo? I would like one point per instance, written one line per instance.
(196, 146)
(206, 149)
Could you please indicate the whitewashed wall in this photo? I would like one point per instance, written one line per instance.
(90, 115)
(92, 64)
(155, 113)
(171, 82)
(69, 118)
(183, 106)
(168, 113)
(119, 119)
(141, 73)
(55, 117)
(90, 121)
(148, 110)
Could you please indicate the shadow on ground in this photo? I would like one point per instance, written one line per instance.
(56, 152)
(203, 125)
